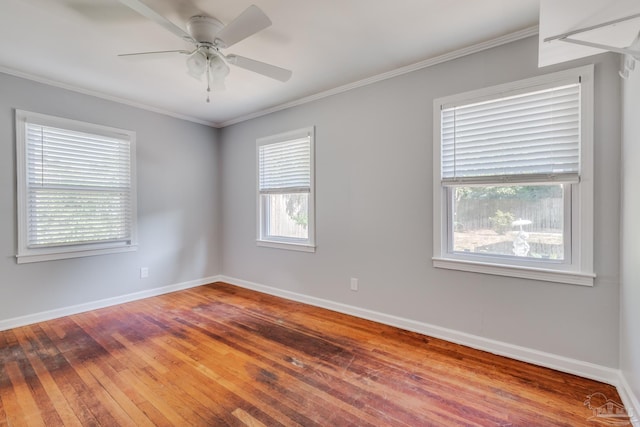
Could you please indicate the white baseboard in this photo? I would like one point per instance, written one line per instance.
(629, 400)
(536, 357)
(548, 360)
(107, 302)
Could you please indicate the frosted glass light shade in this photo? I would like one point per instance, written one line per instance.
(196, 64)
(218, 71)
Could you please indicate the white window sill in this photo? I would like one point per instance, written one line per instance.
(557, 276)
(287, 246)
(37, 256)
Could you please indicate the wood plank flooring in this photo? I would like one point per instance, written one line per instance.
(219, 355)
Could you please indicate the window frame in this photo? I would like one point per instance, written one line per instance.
(26, 254)
(577, 270)
(265, 240)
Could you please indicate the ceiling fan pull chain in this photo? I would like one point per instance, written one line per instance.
(208, 77)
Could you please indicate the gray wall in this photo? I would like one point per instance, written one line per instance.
(630, 235)
(178, 212)
(374, 212)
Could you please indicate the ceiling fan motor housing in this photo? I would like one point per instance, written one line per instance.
(204, 28)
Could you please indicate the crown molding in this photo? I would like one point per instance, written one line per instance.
(459, 53)
(101, 95)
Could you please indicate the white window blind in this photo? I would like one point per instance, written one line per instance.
(524, 138)
(285, 167)
(78, 187)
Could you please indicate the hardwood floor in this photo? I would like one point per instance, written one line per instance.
(221, 355)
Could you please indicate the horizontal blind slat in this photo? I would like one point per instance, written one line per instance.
(79, 187)
(530, 134)
(285, 165)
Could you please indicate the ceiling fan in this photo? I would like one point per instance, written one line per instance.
(209, 36)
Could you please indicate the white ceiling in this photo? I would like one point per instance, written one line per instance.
(327, 44)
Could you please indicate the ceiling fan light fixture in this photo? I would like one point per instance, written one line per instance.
(197, 64)
(218, 72)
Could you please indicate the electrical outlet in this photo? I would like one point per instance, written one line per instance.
(144, 272)
(354, 284)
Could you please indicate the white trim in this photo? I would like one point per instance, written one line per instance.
(101, 95)
(479, 47)
(580, 269)
(540, 82)
(584, 196)
(629, 399)
(283, 245)
(291, 135)
(107, 302)
(524, 354)
(557, 276)
(76, 253)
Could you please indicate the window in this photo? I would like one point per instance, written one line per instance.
(76, 188)
(286, 190)
(513, 179)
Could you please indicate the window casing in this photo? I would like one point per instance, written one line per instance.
(285, 190)
(513, 179)
(76, 188)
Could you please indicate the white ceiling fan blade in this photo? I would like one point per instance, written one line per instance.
(249, 22)
(185, 52)
(267, 70)
(151, 14)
